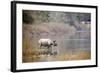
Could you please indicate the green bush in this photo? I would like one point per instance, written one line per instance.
(27, 18)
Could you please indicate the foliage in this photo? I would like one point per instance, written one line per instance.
(27, 18)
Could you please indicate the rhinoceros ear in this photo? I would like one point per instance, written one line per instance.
(54, 41)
